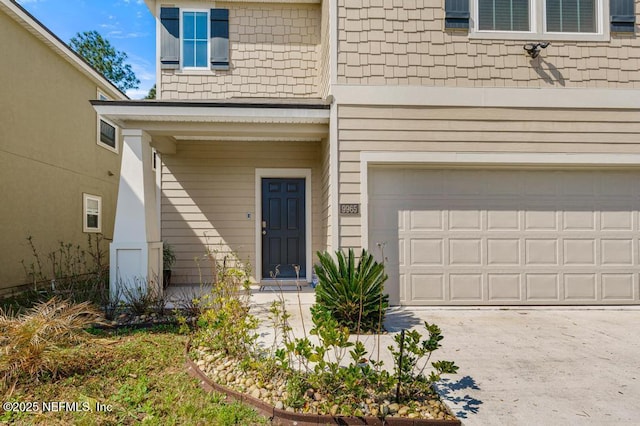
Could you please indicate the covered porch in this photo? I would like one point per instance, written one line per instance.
(240, 181)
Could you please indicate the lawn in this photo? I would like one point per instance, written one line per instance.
(128, 377)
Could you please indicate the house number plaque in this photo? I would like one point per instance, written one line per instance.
(349, 209)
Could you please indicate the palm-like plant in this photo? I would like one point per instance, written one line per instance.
(36, 342)
(352, 293)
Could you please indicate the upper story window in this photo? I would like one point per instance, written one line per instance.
(503, 15)
(107, 131)
(541, 20)
(195, 39)
(571, 16)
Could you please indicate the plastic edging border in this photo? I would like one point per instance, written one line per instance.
(287, 418)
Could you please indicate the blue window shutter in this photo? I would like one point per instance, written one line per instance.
(456, 14)
(170, 38)
(623, 16)
(220, 39)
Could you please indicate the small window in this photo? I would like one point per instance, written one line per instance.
(107, 134)
(503, 15)
(154, 159)
(107, 131)
(92, 213)
(571, 16)
(195, 39)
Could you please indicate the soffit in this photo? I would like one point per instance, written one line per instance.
(232, 120)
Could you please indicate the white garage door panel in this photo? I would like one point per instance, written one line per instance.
(488, 237)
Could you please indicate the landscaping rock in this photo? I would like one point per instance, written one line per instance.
(384, 409)
(273, 392)
(334, 409)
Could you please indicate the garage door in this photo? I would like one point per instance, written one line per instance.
(507, 237)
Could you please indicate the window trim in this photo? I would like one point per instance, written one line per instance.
(181, 40)
(538, 23)
(116, 149)
(85, 223)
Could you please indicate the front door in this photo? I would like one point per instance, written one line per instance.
(283, 227)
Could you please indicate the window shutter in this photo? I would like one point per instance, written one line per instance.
(220, 39)
(456, 14)
(623, 16)
(170, 38)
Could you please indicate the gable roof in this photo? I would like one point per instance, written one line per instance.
(44, 34)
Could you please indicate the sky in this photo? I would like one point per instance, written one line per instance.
(127, 24)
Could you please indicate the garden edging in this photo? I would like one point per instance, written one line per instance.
(287, 418)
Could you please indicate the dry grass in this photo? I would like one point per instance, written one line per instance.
(141, 375)
(44, 340)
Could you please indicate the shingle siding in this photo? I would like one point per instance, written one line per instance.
(387, 42)
(274, 50)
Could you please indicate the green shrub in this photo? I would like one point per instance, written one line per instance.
(353, 294)
(411, 356)
(228, 328)
(225, 323)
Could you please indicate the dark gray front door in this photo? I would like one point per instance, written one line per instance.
(283, 227)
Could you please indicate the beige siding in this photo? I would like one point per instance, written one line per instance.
(48, 153)
(397, 129)
(389, 42)
(274, 52)
(324, 52)
(209, 187)
(325, 187)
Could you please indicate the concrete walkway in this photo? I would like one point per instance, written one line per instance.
(521, 367)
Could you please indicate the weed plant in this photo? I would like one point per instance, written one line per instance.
(70, 272)
(225, 323)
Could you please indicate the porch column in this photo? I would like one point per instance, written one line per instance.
(136, 250)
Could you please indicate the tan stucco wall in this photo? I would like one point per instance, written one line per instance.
(48, 152)
(209, 187)
(274, 51)
(387, 42)
(469, 129)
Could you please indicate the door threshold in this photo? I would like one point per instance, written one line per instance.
(284, 282)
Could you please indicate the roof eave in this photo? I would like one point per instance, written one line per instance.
(218, 111)
(39, 30)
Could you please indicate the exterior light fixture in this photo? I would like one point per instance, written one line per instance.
(533, 49)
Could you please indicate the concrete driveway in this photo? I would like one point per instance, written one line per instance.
(538, 367)
(519, 367)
